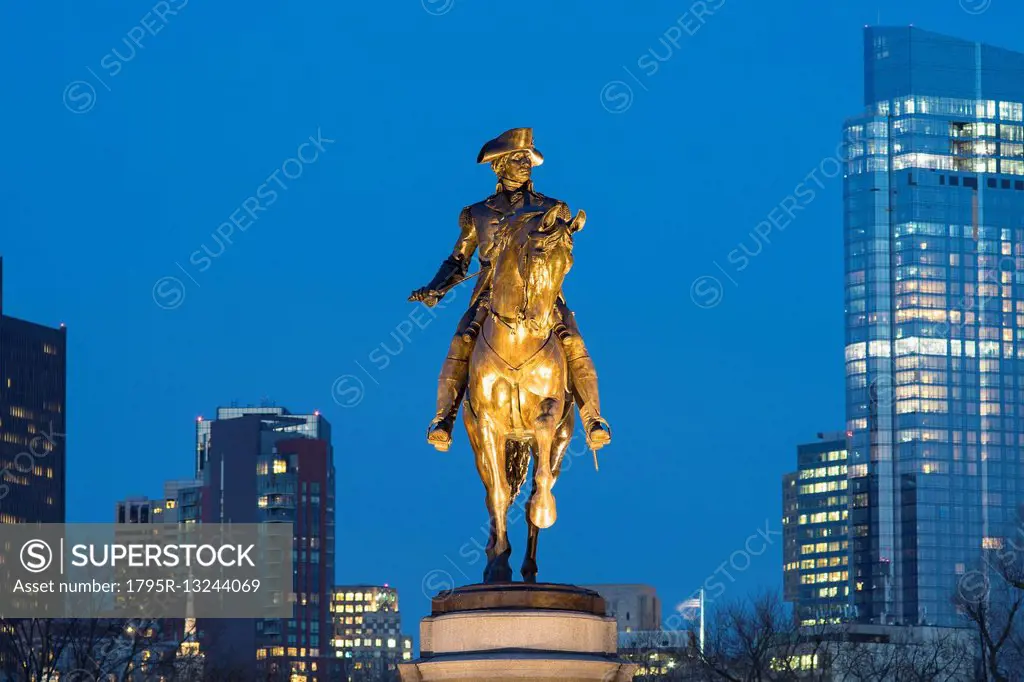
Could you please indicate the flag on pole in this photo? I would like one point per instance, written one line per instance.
(690, 609)
(693, 610)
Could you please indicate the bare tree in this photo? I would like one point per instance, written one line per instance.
(992, 600)
(41, 650)
(757, 640)
(910, 655)
(662, 655)
(31, 648)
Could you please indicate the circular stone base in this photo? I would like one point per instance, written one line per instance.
(512, 596)
(529, 632)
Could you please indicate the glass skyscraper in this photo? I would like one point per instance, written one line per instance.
(934, 265)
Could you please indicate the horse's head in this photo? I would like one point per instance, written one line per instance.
(539, 247)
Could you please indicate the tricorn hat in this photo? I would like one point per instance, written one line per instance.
(517, 139)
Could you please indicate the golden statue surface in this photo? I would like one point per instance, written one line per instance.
(517, 357)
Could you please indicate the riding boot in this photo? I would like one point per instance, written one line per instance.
(584, 382)
(451, 387)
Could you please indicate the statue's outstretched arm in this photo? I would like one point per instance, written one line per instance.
(454, 266)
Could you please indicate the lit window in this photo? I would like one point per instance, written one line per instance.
(991, 543)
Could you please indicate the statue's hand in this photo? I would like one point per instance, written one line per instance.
(428, 296)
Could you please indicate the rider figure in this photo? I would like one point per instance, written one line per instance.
(512, 157)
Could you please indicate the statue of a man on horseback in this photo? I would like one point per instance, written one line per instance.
(517, 356)
(512, 157)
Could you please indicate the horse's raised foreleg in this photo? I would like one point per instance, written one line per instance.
(489, 446)
(560, 443)
(563, 436)
(542, 503)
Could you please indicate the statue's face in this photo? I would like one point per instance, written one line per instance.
(516, 167)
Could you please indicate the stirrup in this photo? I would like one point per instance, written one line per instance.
(597, 432)
(439, 433)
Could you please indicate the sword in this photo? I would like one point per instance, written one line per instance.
(442, 292)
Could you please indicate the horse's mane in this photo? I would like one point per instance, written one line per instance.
(513, 223)
(508, 227)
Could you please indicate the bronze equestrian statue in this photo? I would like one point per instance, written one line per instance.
(512, 157)
(532, 362)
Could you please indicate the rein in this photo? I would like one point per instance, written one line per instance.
(509, 322)
(527, 361)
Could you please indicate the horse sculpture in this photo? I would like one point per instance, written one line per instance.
(518, 399)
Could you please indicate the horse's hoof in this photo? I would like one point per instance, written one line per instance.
(498, 576)
(498, 570)
(529, 571)
(542, 511)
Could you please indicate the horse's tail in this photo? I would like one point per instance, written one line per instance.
(517, 462)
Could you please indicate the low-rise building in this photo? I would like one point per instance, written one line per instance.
(634, 607)
(368, 632)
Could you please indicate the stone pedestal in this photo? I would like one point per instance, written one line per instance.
(517, 631)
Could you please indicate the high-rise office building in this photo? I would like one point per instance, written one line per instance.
(934, 251)
(308, 426)
(815, 527)
(264, 465)
(368, 637)
(790, 544)
(32, 414)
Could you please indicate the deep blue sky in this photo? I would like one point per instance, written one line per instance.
(707, 404)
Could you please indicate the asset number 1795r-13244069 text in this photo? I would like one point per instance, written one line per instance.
(193, 585)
